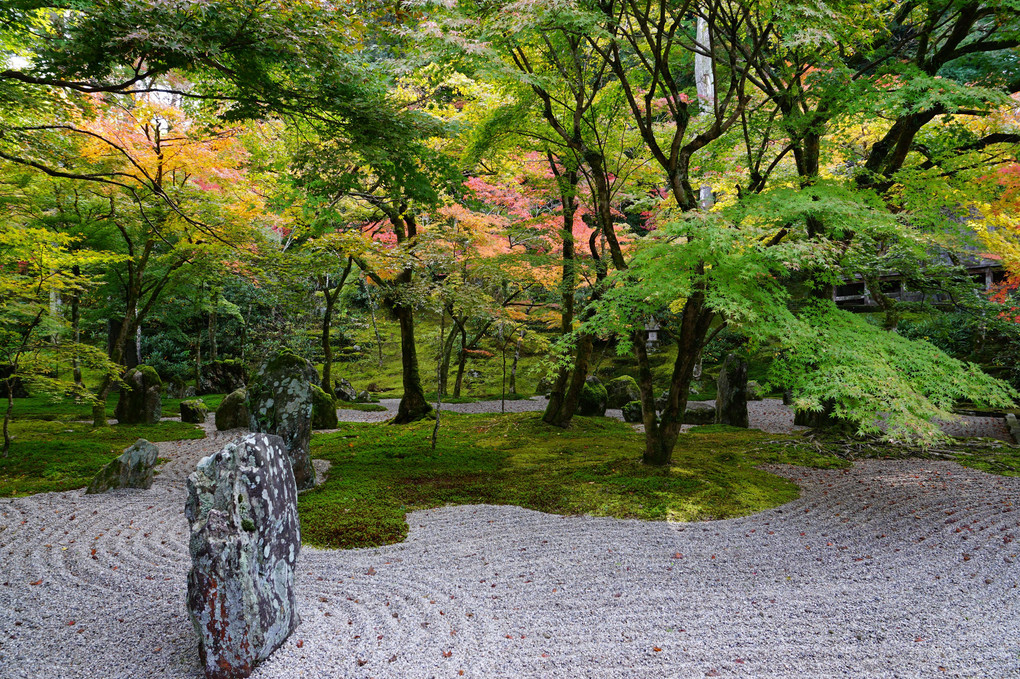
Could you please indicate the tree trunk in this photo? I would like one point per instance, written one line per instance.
(413, 405)
(7, 417)
(447, 353)
(117, 351)
(214, 303)
(661, 435)
(461, 362)
(517, 358)
(76, 329)
(327, 348)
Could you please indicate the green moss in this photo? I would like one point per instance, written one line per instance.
(149, 374)
(56, 456)
(364, 407)
(594, 398)
(592, 467)
(323, 409)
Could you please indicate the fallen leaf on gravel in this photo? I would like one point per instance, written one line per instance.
(70, 622)
(37, 582)
(447, 654)
(300, 643)
(394, 658)
(362, 662)
(712, 673)
(370, 571)
(656, 649)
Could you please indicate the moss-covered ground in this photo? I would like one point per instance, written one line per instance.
(48, 409)
(380, 473)
(57, 455)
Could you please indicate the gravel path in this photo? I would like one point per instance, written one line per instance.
(889, 569)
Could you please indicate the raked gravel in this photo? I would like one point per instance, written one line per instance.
(904, 568)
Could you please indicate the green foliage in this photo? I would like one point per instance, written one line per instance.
(881, 381)
(56, 456)
(381, 473)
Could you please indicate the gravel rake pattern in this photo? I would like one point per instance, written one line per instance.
(906, 568)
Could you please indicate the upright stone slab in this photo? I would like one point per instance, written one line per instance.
(222, 377)
(280, 402)
(245, 538)
(141, 399)
(343, 390)
(622, 390)
(731, 394)
(323, 410)
(233, 411)
(135, 468)
(594, 398)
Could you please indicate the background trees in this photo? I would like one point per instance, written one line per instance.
(509, 167)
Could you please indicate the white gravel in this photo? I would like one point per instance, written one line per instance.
(891, 569)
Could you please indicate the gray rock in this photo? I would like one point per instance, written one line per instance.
(194, 412)
(280, 402)
(755, 392)
(345, 391)
(545, 386)
(731, 394)
(363, 397)
(622, 390)
(594, 398)
(699, 413)
(135, 468)
(1014, 426)
(632, 412)
(233, 411)
(245, 538)
(141, 397)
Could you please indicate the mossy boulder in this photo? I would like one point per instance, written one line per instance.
(135, 468)
(222, 377)
(233, 411)
(699, 413)
(323, 410)
(594, 398)
(343, 390)
(632, 412)
(194, 411)
(755, 391)
(141, 397)
(622, 390)
(280, 402)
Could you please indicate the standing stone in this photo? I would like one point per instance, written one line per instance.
(622, 390)
(343, 390)
(632, 412)
(135, 468)
(594, 398)
(141, 398)
(233, 411)
(323, 410)
(245, 538)
(280, 402)
(731, 394)
(194, 412)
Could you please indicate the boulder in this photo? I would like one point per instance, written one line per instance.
(622, 390)
(245, 538)
(323, 410)
(344, 391)
(280, 402)
(222, 377)
(141, 397)
(194, 412)
(731, 394)
(632, 412)
(699, 413)
(233, 411)
(135, 468)
(363, 397)
(594, 398)
(755, 391)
